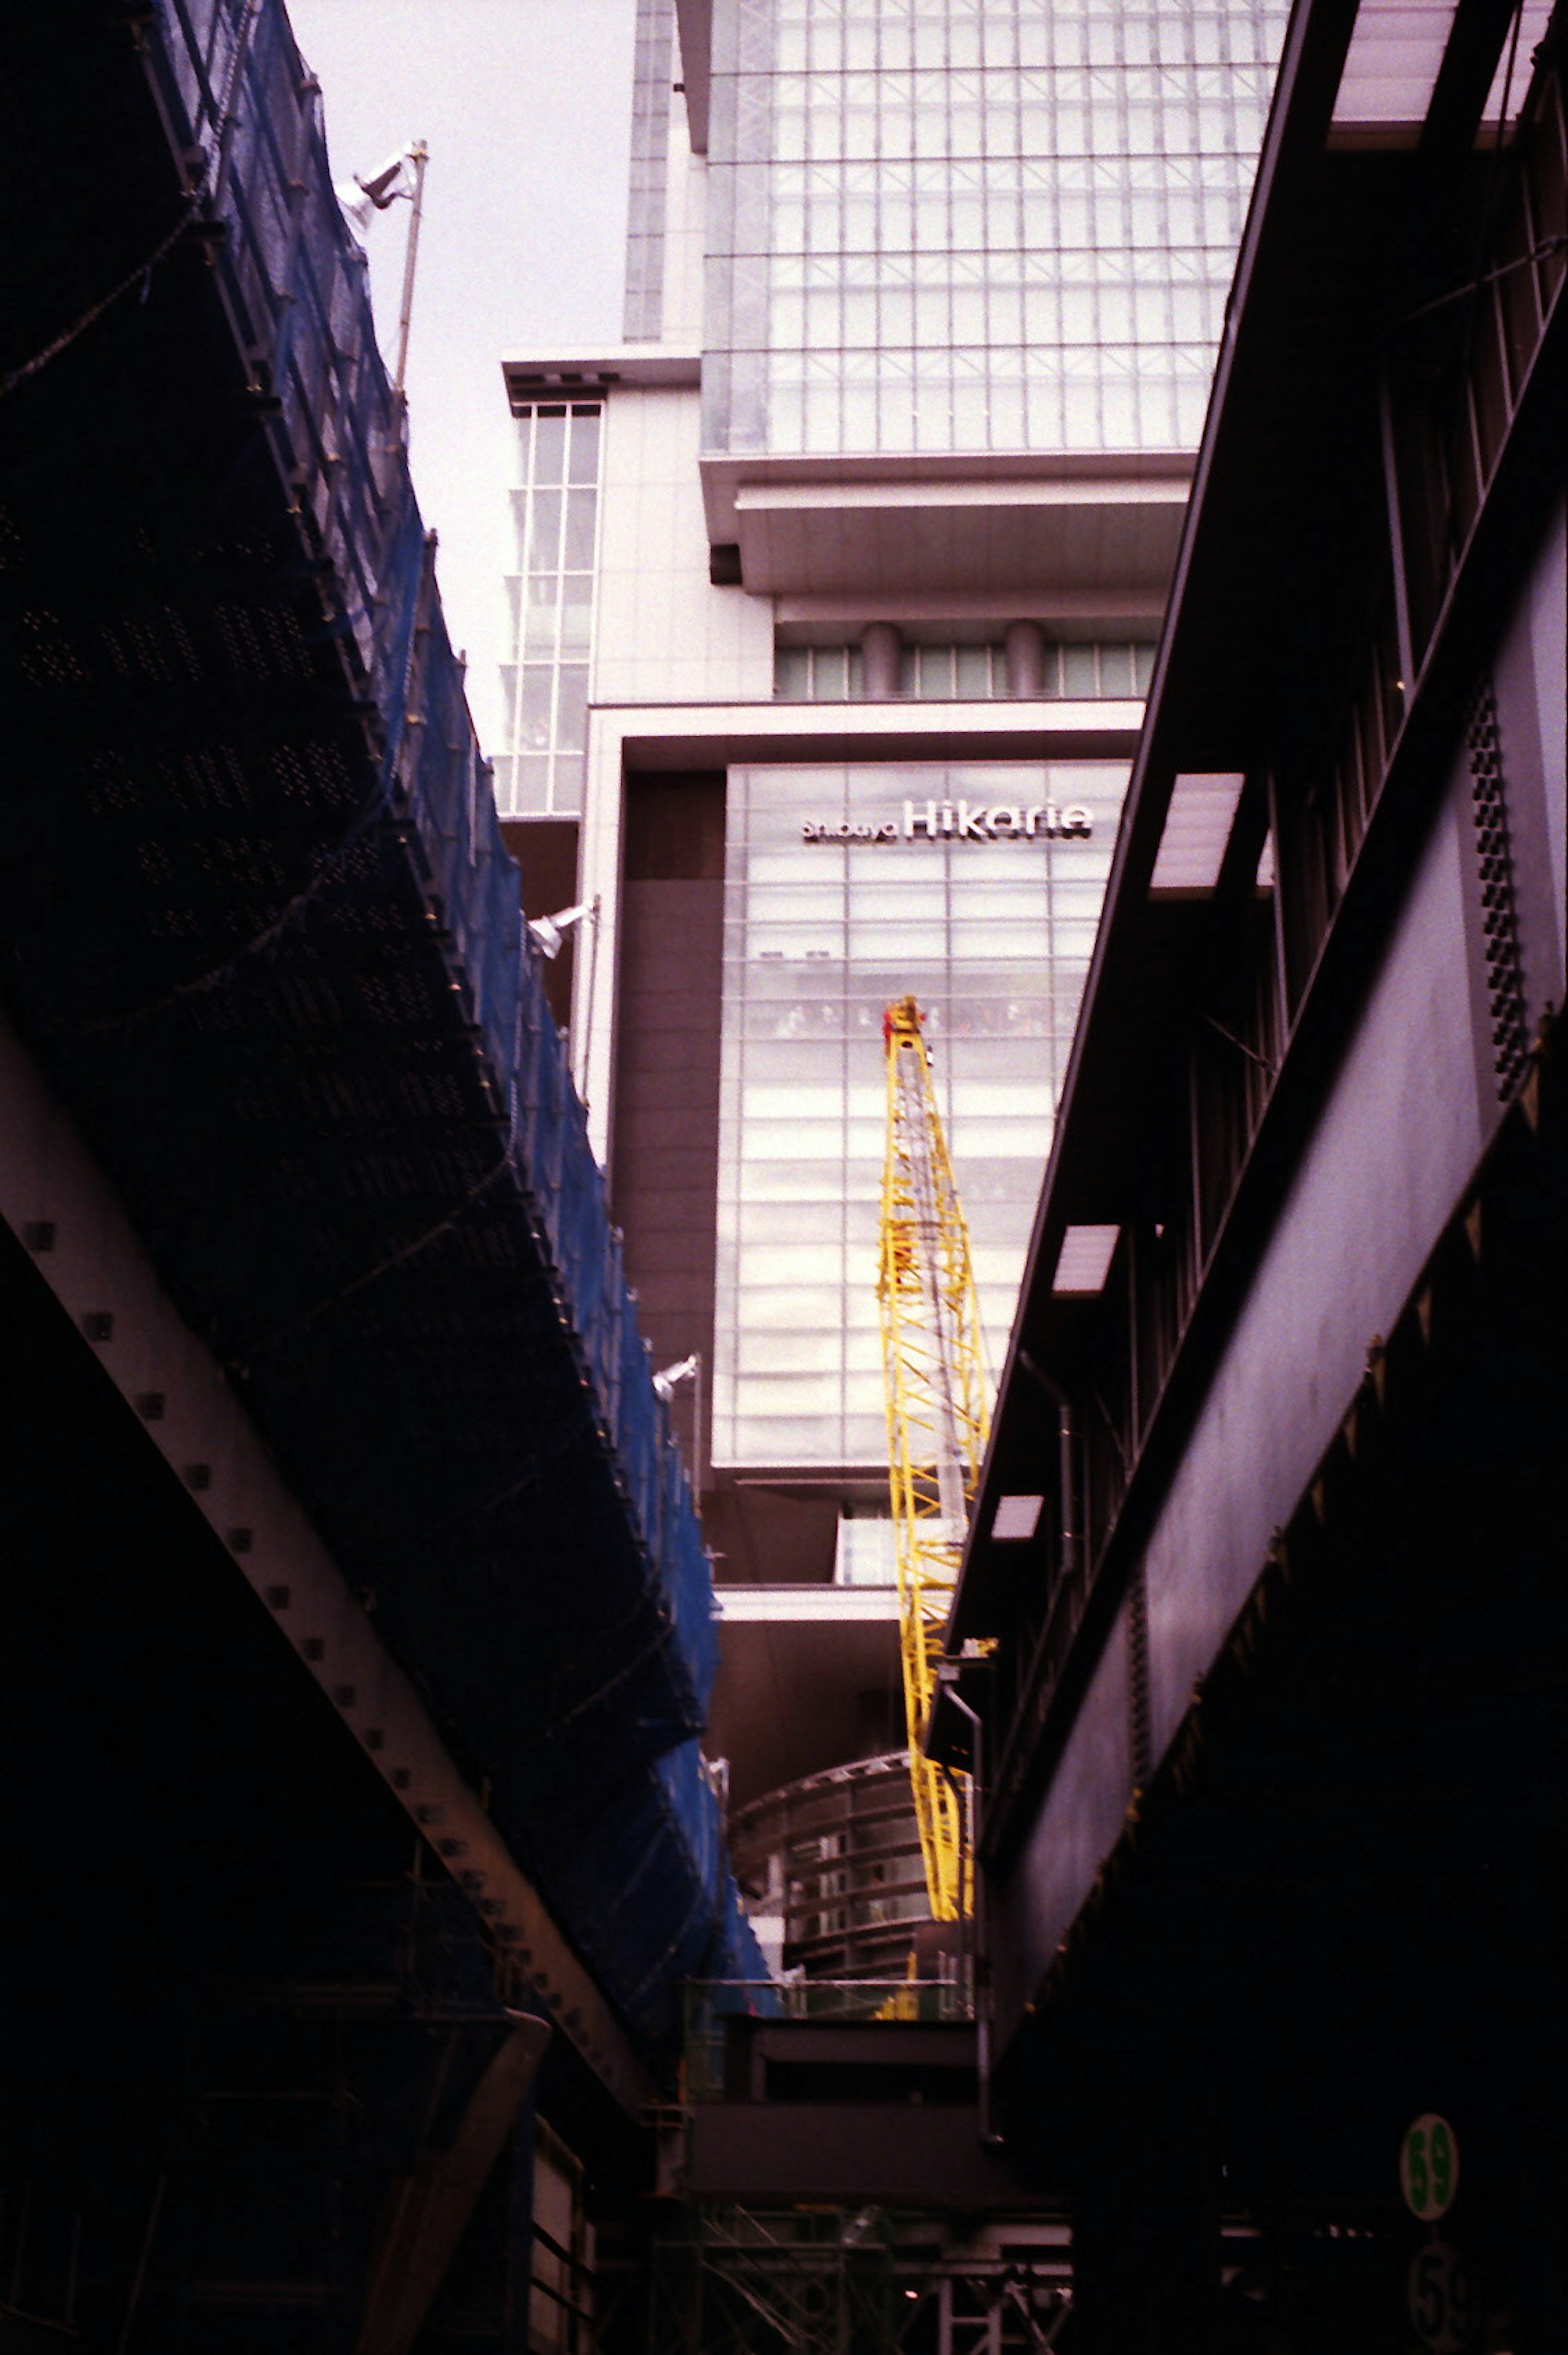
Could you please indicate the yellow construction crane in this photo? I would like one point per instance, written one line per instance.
(937, 1417)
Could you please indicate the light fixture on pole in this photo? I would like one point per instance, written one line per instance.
(666, 1382)
(549, 932)
(402, 174)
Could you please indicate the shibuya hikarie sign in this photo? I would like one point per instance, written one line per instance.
(960, 821)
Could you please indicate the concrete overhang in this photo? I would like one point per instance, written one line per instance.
(712, 736)
(1101, 531)
(565, 374)
(795, 1665)
(798, 1607)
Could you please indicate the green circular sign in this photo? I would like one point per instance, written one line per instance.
(1429, 2166)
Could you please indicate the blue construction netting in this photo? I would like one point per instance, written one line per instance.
(299, 276)
(261, 924)
(652, 1889)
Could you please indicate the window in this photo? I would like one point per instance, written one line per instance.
(820, 932)
(963, 674)
(555, 514)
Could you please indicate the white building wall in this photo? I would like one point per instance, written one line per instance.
(686, 205)
(663, 633)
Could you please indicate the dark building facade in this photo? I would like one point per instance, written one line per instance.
(1261, 1613)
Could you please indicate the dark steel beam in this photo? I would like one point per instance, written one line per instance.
(428, 2213)
(58, 1201)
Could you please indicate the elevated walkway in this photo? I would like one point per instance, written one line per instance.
(261, 936)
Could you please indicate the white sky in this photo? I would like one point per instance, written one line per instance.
(525, 106)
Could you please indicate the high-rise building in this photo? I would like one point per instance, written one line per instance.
(836, 586)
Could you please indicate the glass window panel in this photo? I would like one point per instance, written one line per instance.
(830, 673)
(935, 673)
(772, 1352)
(761, 1267)
(784, 866)
(581, 508)
(576, 614)
(989, 937)
(532, 782)
(544, 532)
(1070, 897)
(972, 666)
(571, 708)
(931, 223)
(549, 448)
(791, 1140)
(1015, 896)
(566, 781)
(892, 941)
(820, 427)
(905, 895)
(540, 614)
(1080, 670)
(536, 682)
(585, 447)
(799, 1439)
(801, 1309)
(787, 321)
(768, 1182)
(1028, 1137)
(786, 419)
(786, 1221)
(995, 1100)
(797, 1101)
(1074, 939)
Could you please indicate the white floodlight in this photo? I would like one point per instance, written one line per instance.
(549, 932)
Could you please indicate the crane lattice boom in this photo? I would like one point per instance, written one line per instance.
(936, 1416)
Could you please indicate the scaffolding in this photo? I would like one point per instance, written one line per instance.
(732, 2280)
(937, 1420)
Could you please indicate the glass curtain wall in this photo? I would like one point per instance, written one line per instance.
(652, 73)
(949, 674)
(836, 900)
(967, 225)
(555, 522)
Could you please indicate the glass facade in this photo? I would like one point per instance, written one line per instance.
(970, 225)
(654, 68)
(555, 520)
(976, 885)
(1116, 668)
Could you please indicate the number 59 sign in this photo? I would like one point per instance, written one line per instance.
(1429, 2166)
